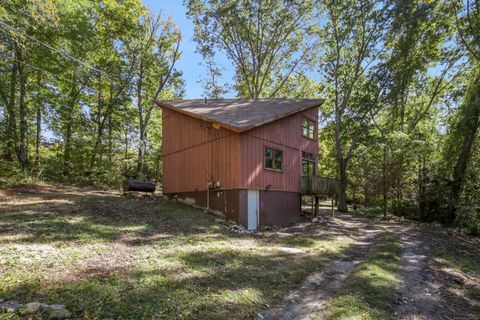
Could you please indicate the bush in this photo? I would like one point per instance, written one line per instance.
(468, 218)
(12, 175)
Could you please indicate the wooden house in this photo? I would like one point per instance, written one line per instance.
(249, 159)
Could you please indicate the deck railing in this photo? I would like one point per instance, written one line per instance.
(318, 185)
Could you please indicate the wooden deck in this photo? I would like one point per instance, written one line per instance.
(315, 185)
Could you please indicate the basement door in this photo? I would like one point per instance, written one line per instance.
(253, 209)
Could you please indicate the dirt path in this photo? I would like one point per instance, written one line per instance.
(427, 291)
(419, 295)
(310, 298)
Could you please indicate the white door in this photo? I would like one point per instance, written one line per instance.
(253, 209)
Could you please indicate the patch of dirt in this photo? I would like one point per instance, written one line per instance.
(429, 290)
(26, 189)
(310, 298)
(118, 259)
(419, 295)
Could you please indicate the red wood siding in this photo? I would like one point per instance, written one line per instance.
(284, 134)
(194, 151)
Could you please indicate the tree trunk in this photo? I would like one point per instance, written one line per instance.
(69, 125)
(38, 137)
(11, 136)
(342, 196)
(22, 152)
(141, 153)
(39, 134)
(462, 162)
(470, 126)
(384, 181)
(110, 139)
(67, 148)
(342, 164)
(97, 146)
(141, 121)
(421, 189)
(158, 165)
(100, 123)
(125, 158)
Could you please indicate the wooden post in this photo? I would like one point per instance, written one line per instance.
(312, 200)
(333, 207)
(316, 206)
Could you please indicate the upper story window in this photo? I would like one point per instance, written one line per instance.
(308, 128)
(273, 159)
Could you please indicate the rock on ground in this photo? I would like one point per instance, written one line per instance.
(32, 307)
(57, 311)
(10, 306)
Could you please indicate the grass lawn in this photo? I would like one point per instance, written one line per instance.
(107, 256)
(368, 292)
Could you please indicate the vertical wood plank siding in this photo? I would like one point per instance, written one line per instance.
(194, 151)
(284, 134)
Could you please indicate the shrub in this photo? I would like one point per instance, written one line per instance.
(11, 175)
(468, 218)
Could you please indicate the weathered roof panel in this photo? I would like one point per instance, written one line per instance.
(240, 115)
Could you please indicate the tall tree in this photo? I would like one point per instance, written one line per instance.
(352, 43)
(158, 53)
(407, 91)
(16, 29)
(211, 83)
(116, 29)
(468, 119)
(266, 40)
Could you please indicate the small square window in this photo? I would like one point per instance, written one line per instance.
(273, 159)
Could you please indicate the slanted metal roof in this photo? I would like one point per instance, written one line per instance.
(238, 114)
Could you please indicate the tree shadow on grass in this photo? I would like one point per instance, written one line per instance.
(213, 284)
(68, 218)
(369, 291)
(200, 282)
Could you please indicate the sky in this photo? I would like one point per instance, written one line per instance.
(190, 61)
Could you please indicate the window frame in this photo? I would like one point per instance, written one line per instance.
(273, 159)
(310, 158)
(311, 128)
(313, 167)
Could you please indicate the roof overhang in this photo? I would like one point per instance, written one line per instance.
(166, 105)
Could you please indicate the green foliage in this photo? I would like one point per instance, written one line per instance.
(468, 218)
(12, 175)
(72, 73)
(399, 126)
(464, 121)
(267, 41)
